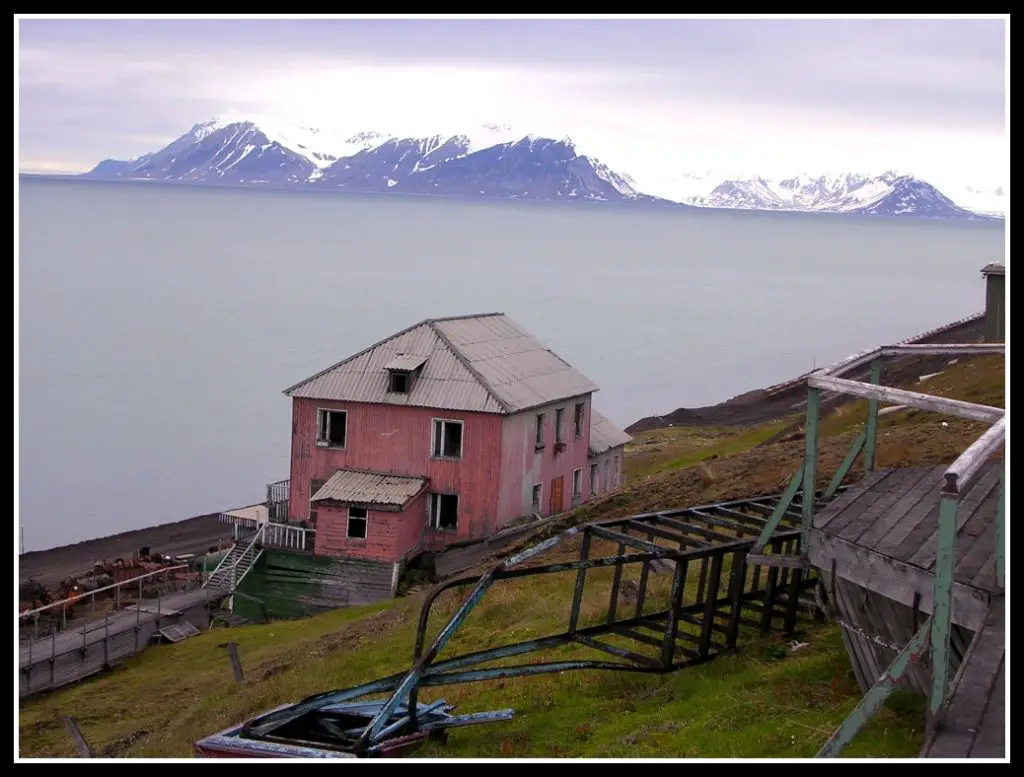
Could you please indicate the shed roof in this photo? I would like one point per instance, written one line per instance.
(370, 488)
(484, 363)
(604, 435)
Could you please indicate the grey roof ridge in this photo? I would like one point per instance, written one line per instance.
(424, 322)
(432, 323)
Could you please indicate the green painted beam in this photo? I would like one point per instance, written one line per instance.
(945, 563)
(844, 468)
(780, 509)
(871, 429)
(810, 466)
(877, 694)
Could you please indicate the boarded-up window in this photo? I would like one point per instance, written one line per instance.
(537, 493)
(443, 512)
(357, 523)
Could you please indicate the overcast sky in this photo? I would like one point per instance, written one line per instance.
(658, 97)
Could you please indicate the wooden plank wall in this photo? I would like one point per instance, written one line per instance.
(294, 585)
(891, 621)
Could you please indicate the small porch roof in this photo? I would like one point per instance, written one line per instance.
(406, 362)
(373, 489)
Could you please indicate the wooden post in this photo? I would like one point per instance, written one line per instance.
(945, 563)
(810, 464)
(1001, 536)
(872, 424)
(236, 662)
(76, 736)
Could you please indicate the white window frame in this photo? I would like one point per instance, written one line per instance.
(326, 442)
(433, 438)
(539, 419)
(365, 518)
(560, 424)
(434, 509)
(537, 499)
(579, 421)
(595, 473)
(577, 483)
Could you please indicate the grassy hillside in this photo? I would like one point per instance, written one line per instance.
(766, 700)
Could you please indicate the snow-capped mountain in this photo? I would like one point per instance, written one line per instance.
(889, 194)
(490, 160)
(497, 160)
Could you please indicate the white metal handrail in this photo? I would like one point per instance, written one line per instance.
(234, 564)
(282, 535)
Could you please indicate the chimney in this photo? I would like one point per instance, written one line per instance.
(995, 301)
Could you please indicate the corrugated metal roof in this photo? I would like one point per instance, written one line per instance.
(604, 435)
(484, 363)
(369, 488)
(406, 361)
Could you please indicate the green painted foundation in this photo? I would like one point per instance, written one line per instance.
(286, 585)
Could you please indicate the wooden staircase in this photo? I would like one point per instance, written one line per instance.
(236, 564)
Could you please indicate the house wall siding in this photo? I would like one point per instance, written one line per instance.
(522, 466)
(606, 463)
(389, 535)
(397, 440)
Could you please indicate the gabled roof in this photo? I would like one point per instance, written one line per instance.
(604, 435)
(484, 363)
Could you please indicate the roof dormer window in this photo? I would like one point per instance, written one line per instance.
(402, 370)
(398, 382)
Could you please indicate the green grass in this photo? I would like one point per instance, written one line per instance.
(763, 701)
(664, 450)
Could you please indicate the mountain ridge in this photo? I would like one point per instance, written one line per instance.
(492, 161)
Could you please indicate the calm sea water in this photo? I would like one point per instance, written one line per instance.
(159, 324)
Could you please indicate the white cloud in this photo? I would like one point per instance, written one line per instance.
(652, 123)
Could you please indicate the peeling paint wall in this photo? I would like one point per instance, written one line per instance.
(293, 585)
(397, 440)
(523, 465)
(389, 535)
(609, 469)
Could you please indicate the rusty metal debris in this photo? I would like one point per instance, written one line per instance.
(705, 548)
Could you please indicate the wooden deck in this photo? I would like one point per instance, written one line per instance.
(875, 547)
(881, 535)
(975, 723)
(76, 653)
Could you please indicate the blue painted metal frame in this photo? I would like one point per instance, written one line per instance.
(696, 535)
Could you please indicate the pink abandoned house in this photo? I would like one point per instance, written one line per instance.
(441, 434)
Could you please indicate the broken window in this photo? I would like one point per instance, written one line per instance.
(593, 480)
(577, 483)
(537, 490)
(357, 523)
(540, 430)
(444, 512)
(560, 424)
(399, 382)
(578, 419)
(331, 427)
(447, 439)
